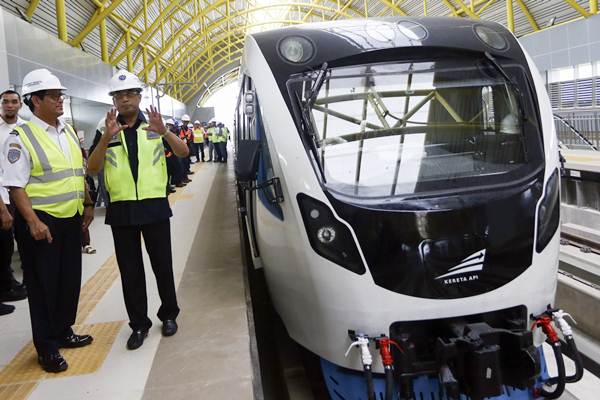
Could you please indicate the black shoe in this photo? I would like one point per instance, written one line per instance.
(53, 363)
(6, 309)
(190, 173)
(73, 341)
(186, 180)
(136, 340)
(169, 327)
(179, 185)
(15, 293)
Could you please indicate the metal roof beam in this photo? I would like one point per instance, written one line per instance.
(393, 7)
(529, 16)
(223, 21)
(578, 8)
(32, 7)
(166, 12)
(98, 16)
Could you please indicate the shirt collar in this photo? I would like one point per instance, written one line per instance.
(61, 125)
(19, 121)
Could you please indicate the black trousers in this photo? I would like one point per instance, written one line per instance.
(7, 247)
(52, 273)
(128, 248)
(199, 151)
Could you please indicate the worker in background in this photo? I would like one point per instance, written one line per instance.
(86, 240)
(198, 140)
(132, 154)
(10, 288)
(211, 146)
(186, 135)
(45, 174)
(223, 137)
(6, 221)
(174, 169)
(205, 132)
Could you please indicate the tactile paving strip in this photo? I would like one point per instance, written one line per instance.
(17, 391)
(20, 377)
(95, 288)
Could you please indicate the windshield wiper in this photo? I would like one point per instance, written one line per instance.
(315, 88)
(502, 71)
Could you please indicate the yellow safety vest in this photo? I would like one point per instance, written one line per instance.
(56, 184)
(215, 137)
(198, 136)
(152, 168)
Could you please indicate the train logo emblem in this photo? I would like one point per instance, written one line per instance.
(472, 263)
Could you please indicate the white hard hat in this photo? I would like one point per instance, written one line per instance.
(170, 121)
(40, 79)
(185, 117)
(196, 122)
(190, 125)
(124, 80)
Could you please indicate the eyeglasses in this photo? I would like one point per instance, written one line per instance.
(125, 93)
(55, 96)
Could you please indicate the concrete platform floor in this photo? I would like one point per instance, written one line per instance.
(209, 358)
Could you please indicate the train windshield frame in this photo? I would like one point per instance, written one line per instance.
(407, 129)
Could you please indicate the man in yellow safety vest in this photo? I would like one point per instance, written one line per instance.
(45, 174)
(130, 150)
(198, 140)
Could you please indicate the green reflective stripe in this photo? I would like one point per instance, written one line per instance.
(37, 147)
(156, 159)
(158, 150)
(56, 176)
(36, 201)
(73, 134)
(111, 161)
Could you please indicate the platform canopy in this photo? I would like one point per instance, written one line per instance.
(192, 47)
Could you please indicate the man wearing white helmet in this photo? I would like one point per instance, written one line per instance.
(186, 135)
(130, 150)
(45, 174)
(198, 140)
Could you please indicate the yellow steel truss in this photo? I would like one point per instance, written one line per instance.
(196, 40)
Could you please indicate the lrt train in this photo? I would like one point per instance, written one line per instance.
(399, 183)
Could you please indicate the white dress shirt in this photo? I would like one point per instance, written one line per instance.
(16, 174)
(5, 130)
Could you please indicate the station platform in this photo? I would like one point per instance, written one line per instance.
(209, 357)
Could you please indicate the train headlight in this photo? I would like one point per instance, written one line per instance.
(328, 236)
(490, 37)
(296, 49)
(548, 213)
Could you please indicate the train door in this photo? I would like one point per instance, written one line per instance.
(262, 203)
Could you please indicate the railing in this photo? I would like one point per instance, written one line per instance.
(578, 131)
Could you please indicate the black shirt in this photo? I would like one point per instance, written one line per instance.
(134, 212)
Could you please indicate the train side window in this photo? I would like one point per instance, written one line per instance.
(265, 168)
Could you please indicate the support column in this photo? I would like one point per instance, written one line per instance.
(61, 20)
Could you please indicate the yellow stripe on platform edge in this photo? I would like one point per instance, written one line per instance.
(21, 376)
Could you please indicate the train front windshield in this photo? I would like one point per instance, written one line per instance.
(410, 128)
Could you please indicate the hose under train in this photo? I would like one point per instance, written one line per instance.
(576, 377)
(560, 379)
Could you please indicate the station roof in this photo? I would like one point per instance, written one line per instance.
(192, 47)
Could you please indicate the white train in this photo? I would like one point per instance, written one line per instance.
(399, 180)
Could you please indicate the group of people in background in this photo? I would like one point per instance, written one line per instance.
(199, 137)
(45, 186)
